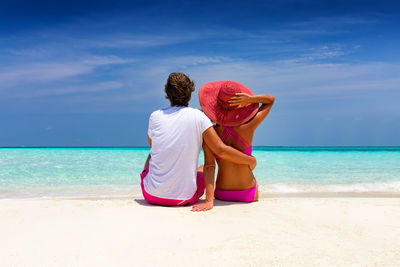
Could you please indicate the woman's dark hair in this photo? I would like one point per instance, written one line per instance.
(179, 88)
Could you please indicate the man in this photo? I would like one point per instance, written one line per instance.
(176, 135)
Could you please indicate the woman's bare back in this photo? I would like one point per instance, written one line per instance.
(232, 176)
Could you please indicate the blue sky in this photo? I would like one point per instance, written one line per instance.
(90, 73)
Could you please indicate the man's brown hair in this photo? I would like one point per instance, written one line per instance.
(179, 88)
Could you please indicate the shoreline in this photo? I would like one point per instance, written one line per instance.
(387, 190)
(255, 146)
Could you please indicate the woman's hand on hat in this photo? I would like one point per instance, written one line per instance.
(240, 100)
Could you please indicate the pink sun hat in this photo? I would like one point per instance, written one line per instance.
(214, 97)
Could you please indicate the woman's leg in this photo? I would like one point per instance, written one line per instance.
(256, 194)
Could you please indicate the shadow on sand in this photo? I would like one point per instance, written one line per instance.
(217, 203)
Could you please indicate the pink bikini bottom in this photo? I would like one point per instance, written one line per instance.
(173, 202)
(246, 195)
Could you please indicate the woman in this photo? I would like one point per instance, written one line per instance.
(236, 112)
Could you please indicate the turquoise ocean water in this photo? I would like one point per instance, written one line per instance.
(114, 172)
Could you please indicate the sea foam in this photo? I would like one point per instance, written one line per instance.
(378, 187)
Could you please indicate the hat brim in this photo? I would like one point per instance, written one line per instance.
(208, 96)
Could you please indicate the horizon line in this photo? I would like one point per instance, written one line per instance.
(297, 146)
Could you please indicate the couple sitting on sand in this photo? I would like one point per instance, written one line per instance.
(177, 133)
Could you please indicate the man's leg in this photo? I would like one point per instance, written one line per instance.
(200, 169)
(146, 164)
(143, 174)
(156, 200)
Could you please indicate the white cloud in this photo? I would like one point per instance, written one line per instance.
(304, 71)
(36, 73)
(129, 40)
(291, 79)
(66, 90)
(334, 21)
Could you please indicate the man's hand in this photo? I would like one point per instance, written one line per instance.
(253, 164)
(203, 206)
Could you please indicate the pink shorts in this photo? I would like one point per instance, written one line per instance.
(246, 195)
(173, 202)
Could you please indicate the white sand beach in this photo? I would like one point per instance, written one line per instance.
(280, 231)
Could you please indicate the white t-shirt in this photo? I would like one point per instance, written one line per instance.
(176, 134)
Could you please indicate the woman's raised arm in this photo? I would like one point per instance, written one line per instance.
(266, 101)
